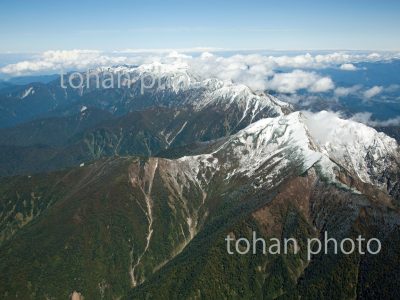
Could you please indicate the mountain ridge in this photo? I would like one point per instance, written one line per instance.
(116, 224)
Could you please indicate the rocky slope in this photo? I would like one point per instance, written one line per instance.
(154, 221)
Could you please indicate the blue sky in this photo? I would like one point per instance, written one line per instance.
(34, 26)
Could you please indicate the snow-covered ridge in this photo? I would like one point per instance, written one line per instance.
(302, 140)
(272, 144)
(279, 140)
(312, 138)
(158, 78)
(175, 77)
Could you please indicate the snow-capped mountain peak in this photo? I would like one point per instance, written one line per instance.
(355, 146)
(176, 85)
(270, 149)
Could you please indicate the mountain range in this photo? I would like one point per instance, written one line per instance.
(125, 193)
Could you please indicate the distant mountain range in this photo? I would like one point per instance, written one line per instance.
(129, 194)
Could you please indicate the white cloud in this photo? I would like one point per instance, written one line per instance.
(253, 70)
(297, 80)
(327, 60)
(348, 67)
(322, 124)
(374, 56)
(372, 92)
(345, 91)
(62, 59)
(322, 85)
(392, 88)
(366, 118)
(78, 59)
(299, 61)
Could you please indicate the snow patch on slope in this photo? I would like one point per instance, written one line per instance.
(27, 92)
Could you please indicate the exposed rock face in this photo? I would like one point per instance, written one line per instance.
(76, 296)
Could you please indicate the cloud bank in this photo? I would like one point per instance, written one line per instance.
(348, 67)
(297, 80)
(346, 91)
(366, 118)
(259, 72)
